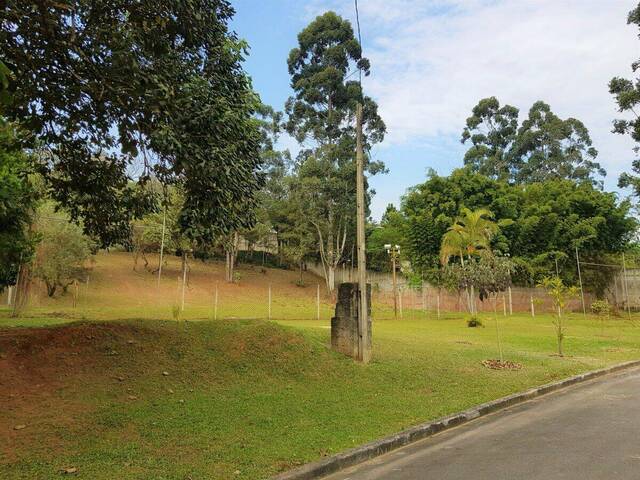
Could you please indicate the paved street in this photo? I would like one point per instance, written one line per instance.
(591, 431)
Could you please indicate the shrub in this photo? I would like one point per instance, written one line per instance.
(474, 322)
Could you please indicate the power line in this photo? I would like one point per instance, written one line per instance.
(359, 39)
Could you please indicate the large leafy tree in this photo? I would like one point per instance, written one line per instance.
(543, 147)
(549, 147)
(17, 202)
(17, 193)
(627, 96)
(116, 90)
(538, 222)
(321, 116)
(491, 129)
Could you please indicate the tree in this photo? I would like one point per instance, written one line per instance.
(145, 86)
(62, 251)
(560, 294)
(17, 193)
(544, 147)
(538, 223)
(146, 235)
(469, 234)
(322, 111)
(627, 96)
(491, 129)
(390, 231)
(551, 148)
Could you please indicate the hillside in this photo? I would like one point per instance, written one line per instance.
(115, 291)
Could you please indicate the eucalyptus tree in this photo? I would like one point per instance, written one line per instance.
(321, 117)
(627, 96)
(108, 87)
(492, 130)
(544, 147)
(549, 147)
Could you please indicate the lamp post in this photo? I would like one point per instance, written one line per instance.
(394, 253)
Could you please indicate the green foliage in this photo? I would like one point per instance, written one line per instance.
(602, 308)
(62, 251)
(627, 96)
(560, 294)
(491, 129)
(544, 147)
(486, 274)
(390, 231)
(321, 116)
(470, 233)
(474, 322)
(17, 201)
(537, 223)
(149, 86)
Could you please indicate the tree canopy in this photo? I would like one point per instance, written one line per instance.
(130, 89)
(627, 96)
(534, 220)
(543, 147)
(321, 116)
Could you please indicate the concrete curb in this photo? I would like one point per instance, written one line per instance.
(327, 466)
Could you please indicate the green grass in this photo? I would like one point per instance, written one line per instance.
(262, 397)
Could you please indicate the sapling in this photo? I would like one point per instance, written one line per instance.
(560, 294)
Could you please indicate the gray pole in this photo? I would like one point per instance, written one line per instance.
(584, 308)
(364, 352)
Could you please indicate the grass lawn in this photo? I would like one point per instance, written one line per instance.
(247, 399)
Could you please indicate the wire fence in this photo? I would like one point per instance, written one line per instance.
(112, 289)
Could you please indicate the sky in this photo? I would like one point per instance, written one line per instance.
(432, 60)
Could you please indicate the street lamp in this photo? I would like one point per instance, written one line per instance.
(394, 252)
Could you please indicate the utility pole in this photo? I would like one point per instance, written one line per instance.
(364, 352)
(394, 253)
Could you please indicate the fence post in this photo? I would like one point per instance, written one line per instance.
(424, 301)
(269, 302)
(533, 310)
(626, 287)
(584, 308)
(510, 302)
(400, 304)
(215, 304)
(438, 304)
(318, 303)
(504, 305)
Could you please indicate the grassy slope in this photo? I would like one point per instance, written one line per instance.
(115, 291)
(257, 397)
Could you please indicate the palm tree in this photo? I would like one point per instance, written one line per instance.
(470, 232)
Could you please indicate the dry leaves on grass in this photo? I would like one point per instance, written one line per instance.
(501, 364)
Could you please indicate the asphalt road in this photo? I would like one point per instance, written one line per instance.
(590, 431)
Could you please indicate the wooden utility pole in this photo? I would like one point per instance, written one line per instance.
(364, 352)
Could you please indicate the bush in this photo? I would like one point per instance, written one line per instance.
(474, 322)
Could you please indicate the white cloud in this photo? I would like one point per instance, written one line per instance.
(433, 60)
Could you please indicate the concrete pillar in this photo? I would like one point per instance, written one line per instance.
(344, 325)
